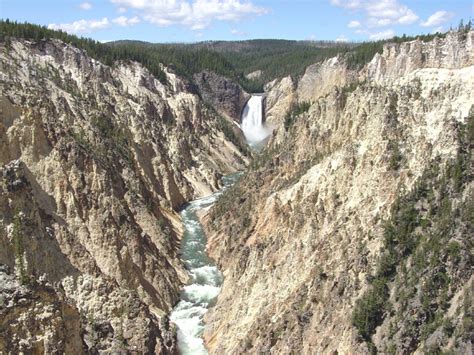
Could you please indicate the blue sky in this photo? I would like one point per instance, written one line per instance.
(198, 20)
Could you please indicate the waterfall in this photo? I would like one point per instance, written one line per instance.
(254, 128)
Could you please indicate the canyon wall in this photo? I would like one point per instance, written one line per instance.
(223, 93)
(95, 162)
(351, 232)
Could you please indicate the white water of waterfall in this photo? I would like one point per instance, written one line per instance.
(254, 129)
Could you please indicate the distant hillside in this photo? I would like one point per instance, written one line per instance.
(232, 59)
(280, 58)
(275, 58)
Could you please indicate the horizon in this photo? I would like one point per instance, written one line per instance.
(195, 21)
(315, 41)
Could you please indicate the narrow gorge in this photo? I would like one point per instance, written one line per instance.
(177, 199)
(96, 165)
(205, 278)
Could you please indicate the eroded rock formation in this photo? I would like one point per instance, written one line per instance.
(351, 231)
(223, 94)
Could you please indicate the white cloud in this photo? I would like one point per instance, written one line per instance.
(125, 21)
(238, 33)
(348, 4)
(195, 14)
(86, 6)
(380, 13)
(354, 24)
(382, 35)
(81, 26)
(409, 18)
(121, 10)
(341, 38)
(438, 18)
(378, 22)
(392, 10)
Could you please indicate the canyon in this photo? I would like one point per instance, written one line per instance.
(348, 231)
(96, 164)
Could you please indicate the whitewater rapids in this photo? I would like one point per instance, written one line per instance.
(205, 278)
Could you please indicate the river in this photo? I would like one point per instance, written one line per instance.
(205, 278)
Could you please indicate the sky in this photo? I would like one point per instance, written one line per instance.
(201, 20)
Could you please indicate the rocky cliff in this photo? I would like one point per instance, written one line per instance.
(351, 233)
(279, 96)
(223, 94)
(95, 163)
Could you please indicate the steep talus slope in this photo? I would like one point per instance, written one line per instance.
(321, 78)
(96, 161)
(351, 233)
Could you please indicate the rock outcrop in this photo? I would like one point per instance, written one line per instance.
(254, 75)
(279, 95)
(351, 231)
(401, 59)
(321, 79)
(95, 163)
(36, 319)
(226, 96)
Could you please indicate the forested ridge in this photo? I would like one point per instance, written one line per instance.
(275, 58)
(232, 59)
(184, 61)
(278, 58)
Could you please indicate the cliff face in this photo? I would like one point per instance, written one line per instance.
(96, 161)
(279, 95)
(320, 79)
(351, 231)
(397, 60)
(223, 94)
(38, 310)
